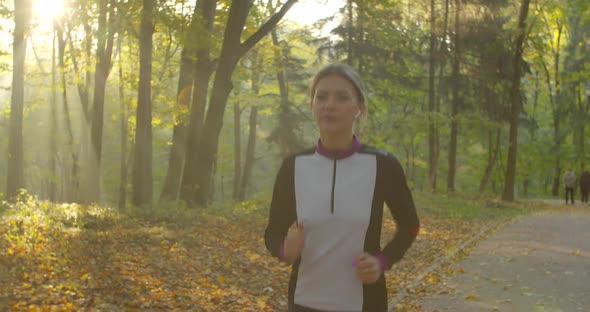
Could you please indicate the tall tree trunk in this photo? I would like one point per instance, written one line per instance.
(558, 110)
(455, 103)
(442, 56)
(105, 35)
(432, 158)
(83, 86)
(72, 190)
(202, 20)
(201, 75)
(257, 61)
(585, 110)
(53, 156)
(516, 100)
(350, 32)
(285, 134)
(237, 149)
(493, 151)
(231, 51)
(250, 154)
(142, 164)
(124, 130)
(15, 179)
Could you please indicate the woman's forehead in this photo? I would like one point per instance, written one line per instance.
(335, 82)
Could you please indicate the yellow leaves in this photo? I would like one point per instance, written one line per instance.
(212, 264)
(252, 256)
(222, 280)
(471, 297)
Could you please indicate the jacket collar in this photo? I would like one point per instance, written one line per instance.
(339, 154)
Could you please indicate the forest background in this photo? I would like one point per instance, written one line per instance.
(139, 140)
(199, 101)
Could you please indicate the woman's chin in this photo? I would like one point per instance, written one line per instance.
(332, 129)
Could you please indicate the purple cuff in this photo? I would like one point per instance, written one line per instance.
(382, 261)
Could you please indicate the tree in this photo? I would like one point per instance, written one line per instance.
(432, 132)
(199, 169)
(72, 188)
(201, 73)
(516, 102)
(104, 51)
(456, 85)
(15, 173)
(142, 164)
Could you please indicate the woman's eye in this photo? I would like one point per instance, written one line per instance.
(320, 97)
(343, 98)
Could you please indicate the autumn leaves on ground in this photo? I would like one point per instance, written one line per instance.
(71, 258)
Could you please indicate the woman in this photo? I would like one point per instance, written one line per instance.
(327, 207)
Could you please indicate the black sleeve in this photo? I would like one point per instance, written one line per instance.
(401, 205)
(282, 207)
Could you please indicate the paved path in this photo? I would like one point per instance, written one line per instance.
(538, 263)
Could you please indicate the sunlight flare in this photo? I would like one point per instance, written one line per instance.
(46, 10)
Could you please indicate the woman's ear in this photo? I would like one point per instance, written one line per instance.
(358, 114)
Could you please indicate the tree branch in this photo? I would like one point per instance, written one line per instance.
(266, 28)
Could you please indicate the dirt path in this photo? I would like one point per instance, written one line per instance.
(538, 263)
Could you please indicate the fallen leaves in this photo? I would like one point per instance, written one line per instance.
(213, 263)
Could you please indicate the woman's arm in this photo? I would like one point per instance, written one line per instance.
(401, 205)
(282, 209)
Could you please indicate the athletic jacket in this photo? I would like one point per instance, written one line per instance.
(339, 199)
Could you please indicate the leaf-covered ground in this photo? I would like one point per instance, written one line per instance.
(71, 258)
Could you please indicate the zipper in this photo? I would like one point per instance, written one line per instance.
(333, 186)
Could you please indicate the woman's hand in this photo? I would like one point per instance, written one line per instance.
(293, 244)
(368, 268)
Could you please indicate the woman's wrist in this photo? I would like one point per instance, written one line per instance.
(282, 256)
(383, 263)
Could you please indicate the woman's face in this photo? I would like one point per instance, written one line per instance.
(335, 104)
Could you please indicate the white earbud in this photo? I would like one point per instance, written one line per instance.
(357, 115)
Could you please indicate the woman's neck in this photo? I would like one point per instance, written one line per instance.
(336, 142)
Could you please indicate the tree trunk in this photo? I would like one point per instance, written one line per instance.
(287, 139)
(516, 100)
(494, 150)
(438, 96)
(237, 150)
(124, 131)
(142, 164)
(179, 135)
(201, 75)
(72, 190)
(432, 158)
(231, 51)
(53, 157)
(349, 41)
(83, 86)
(250, 154)
(455, 103)
(15, 179)
(105, 35)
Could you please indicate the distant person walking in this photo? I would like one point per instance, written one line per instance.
(585, 185)
(569, 180)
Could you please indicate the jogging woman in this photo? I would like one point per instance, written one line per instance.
(327, 207)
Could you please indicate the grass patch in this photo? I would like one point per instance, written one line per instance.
(465, 207)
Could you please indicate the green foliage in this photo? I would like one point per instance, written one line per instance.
(464, 207)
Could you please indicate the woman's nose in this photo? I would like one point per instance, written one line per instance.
(330, 102)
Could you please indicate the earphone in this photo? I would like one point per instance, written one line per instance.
(357, 115)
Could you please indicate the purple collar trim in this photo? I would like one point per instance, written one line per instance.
(356, 146)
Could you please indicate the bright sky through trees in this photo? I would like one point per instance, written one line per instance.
(44, 11)
(306, 12)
